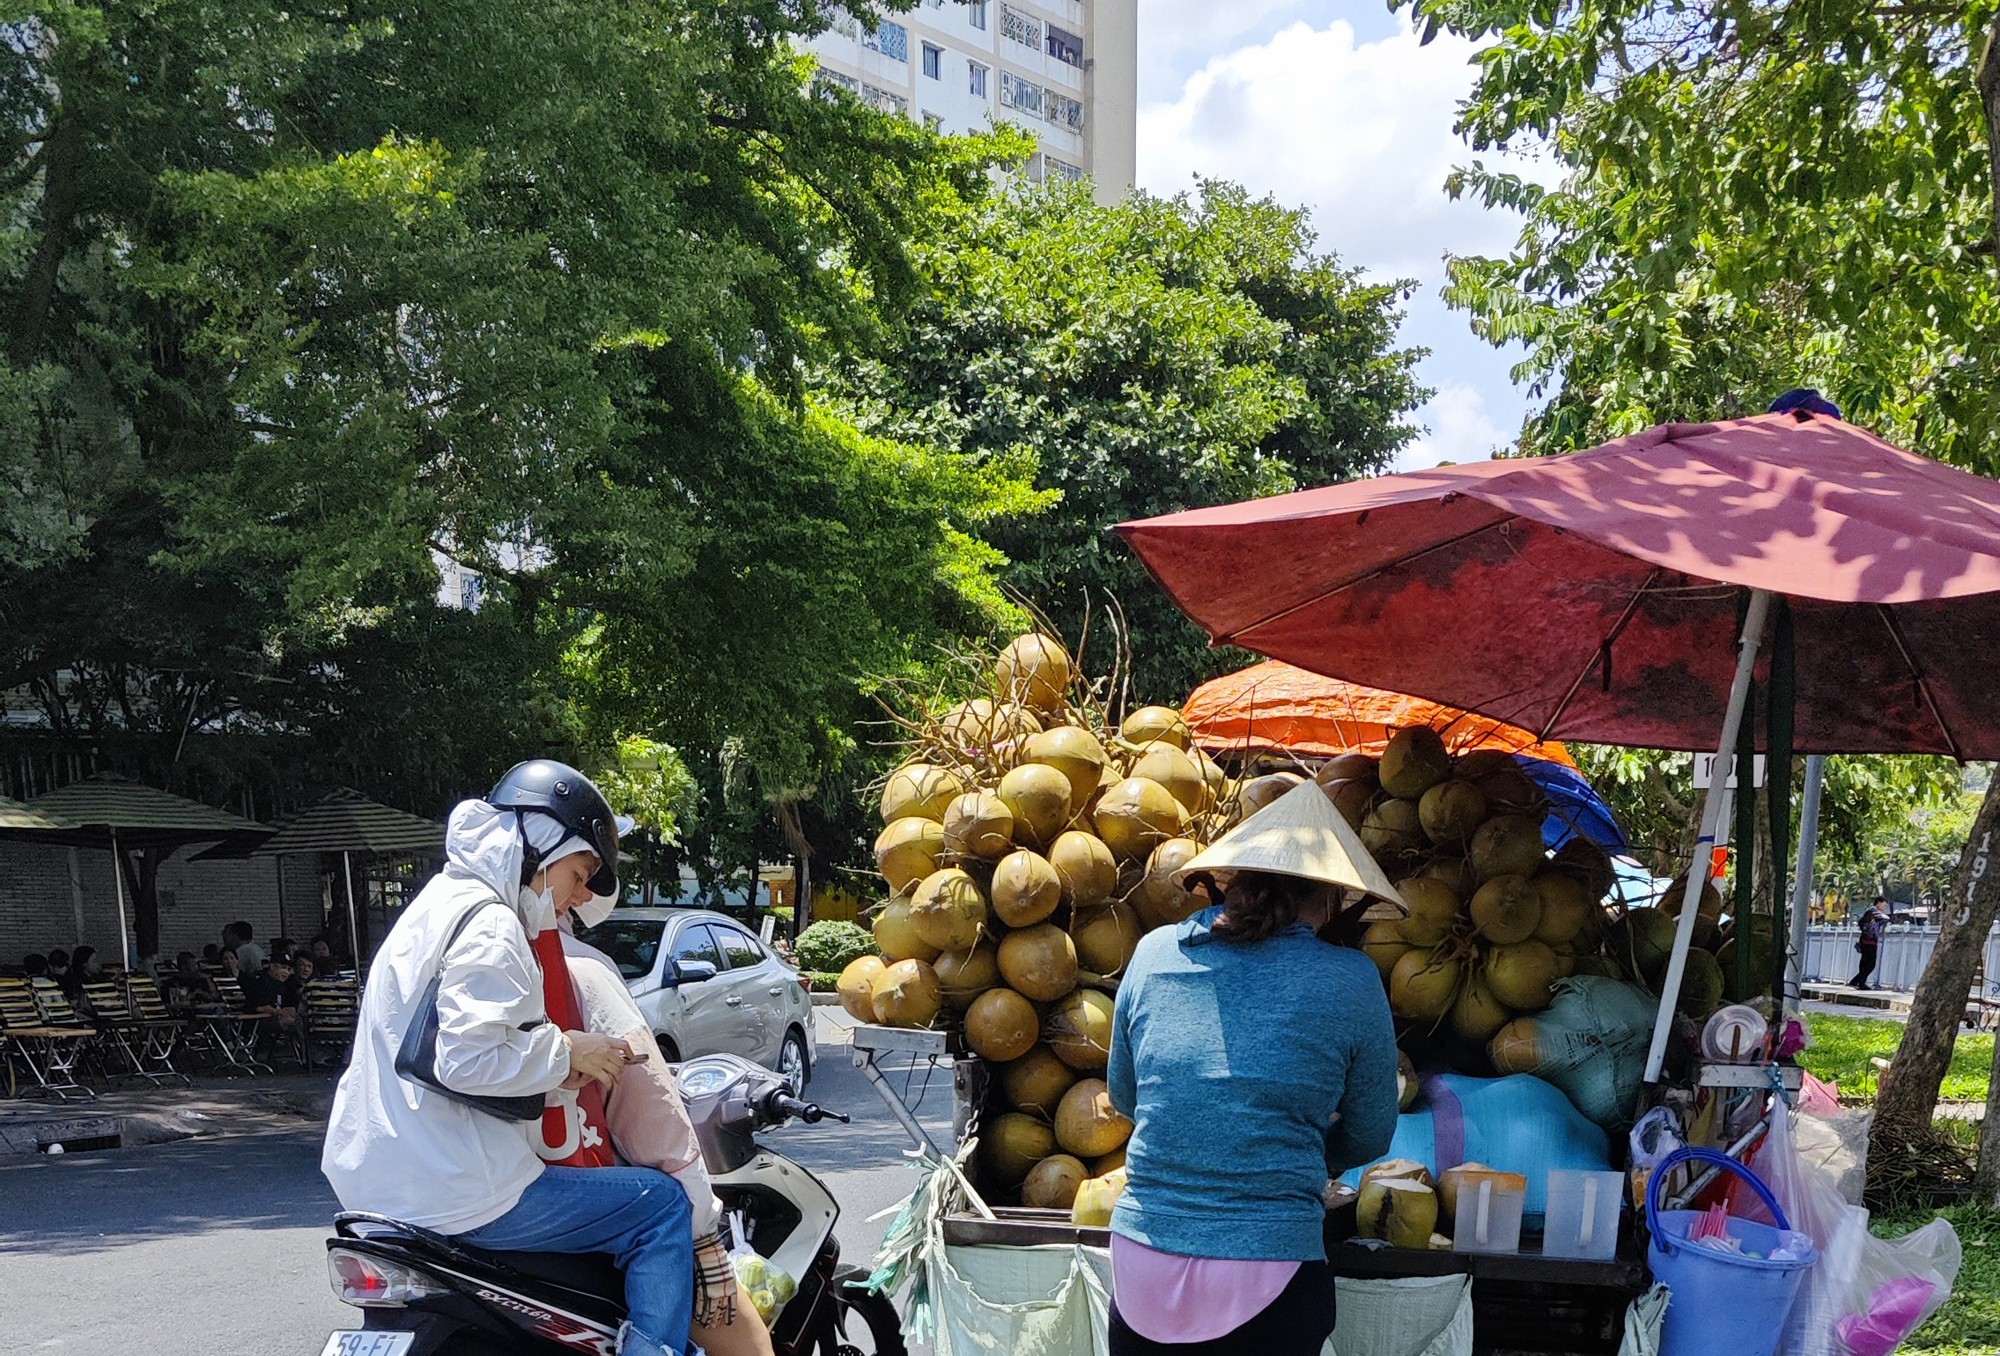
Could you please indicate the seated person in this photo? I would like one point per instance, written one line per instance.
(304, 969)
(266, 993)
(35, 965)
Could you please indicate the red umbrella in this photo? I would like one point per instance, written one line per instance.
(1597, 596)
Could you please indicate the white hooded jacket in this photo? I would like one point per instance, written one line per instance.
(396, 1148)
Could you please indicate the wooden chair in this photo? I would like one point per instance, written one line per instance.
(223, 1029)
(49, 1053)
(332, 1008)
(164, 1033)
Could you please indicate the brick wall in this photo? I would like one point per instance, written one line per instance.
(38, 899)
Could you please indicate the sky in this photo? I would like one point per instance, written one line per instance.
(1334, 106)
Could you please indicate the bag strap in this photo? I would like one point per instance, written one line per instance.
(437, 975)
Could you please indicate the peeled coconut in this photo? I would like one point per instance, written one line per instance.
(1384, 943)
(1073, 752)
(1034, 670)
(1079, 1031)
(1037, 796)
(1522, 975)
(896, 933)
(1506, 910)
(1001, 1025)
(1392, 828)
(1566, 907)
(919, 789)
(1087, 1125)
(1508, 845)
(1467, 1176)
(978, 824)
(1348, 767)
(855, 982)
(948, 909)
(1026, 889)
(1400, 1212)
(1451, 811)
(1701, 985)
(1414, 761)
(1477, 1014)
(1407, 1083)
(964, 975)
(1096, 1199)
(1039, 962)
(1160, 893)
(1136, 816)
(1085, 867)
(1013, 1144)
(1353, 799)
(1052, 1183)
(1433, 910)
(908, 850)
(1399, 1170)
(1151, 724)
(1423, 985)
(1105, 938)
(905, 994)
(1258, 792)
(1036, 1081)
(1174, 769)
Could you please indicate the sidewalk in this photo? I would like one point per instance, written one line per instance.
(130, 1116)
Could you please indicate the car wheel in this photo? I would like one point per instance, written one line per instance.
(669, 1051)
(793, 1064)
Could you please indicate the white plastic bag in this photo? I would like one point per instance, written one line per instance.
(1402, 1316)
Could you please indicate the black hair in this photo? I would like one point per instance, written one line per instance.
(58, 959)
(35, 963)
(1257, 905)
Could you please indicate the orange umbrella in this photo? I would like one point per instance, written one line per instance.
(1274, 705)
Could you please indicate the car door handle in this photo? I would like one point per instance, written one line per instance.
(734, 1000)
(776, 991)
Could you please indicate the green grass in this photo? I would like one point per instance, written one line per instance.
(1842, 1047)
(1969, 1323)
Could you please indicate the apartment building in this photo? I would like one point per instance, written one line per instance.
(1067, 71)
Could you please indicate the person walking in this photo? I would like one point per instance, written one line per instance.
(1239, 1037)
(1873, 920)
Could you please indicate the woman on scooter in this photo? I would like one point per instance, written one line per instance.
(1239, 1037)
(414, 1148)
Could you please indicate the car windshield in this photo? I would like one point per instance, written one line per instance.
(632, 943)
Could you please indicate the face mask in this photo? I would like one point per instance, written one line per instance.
(538, 910)
(594, 910)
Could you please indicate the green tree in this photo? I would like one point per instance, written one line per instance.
(1155, 355)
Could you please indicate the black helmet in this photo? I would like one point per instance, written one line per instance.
(572, 800)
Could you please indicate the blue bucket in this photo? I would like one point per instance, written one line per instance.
(1724, 1303)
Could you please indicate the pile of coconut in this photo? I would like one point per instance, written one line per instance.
(1029, 841)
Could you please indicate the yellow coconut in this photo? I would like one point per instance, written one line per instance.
(1052, 1183)
(919, 789)
(905, 994)
(982, 725)
(1037, 796)
(1096, 1199)
(978, 825)
(1413, 762)
(1385, 944)
(1076, 754)
(1013, 1144)
(1423, 985)
(908, 850)
(1039, 962)
(1353, 799)
(1506, 909)
(1087, 1125)
(1034, 670)
(1215, 782)
(855, 983)
(1036, 1081)
(896, 933)
(1001, 1025)
(964, 975)
(1349, 767)
(1160, 895)
(1026, 889)
(1433, 910)
(1507, 845)
(1105, 938)
(1079, 1030)
(948, 910)
(1174, 769)
(1156, 723)
(1136, 816)
(1254, 794)
(1086, 868)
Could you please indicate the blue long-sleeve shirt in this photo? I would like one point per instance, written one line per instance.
(1253, 1072)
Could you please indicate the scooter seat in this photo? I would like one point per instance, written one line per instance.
(593, 1273)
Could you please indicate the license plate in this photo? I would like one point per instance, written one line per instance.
(369, 1344)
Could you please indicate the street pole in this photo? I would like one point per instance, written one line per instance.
(118, 890)
(1802, 879)
(353, 927)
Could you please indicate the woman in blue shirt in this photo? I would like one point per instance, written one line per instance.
(1256, 1062)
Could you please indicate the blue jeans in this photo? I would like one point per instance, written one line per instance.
(636, 1214)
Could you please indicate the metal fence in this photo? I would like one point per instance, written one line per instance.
(1831, 958)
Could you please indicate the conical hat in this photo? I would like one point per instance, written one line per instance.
(1301, 833)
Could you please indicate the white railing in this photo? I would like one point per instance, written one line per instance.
(1831, 958)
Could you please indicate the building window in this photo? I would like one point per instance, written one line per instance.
(827, 81)
(1021, 28)
(892, 40)
(1062, 110)
(933, 123)
(1017, 93)
(883, 99)
(933, 61)
(1065, 47)
(1061, 170)
(975, 79)
(975, 14)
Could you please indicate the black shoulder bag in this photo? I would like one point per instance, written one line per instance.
(416, 1058)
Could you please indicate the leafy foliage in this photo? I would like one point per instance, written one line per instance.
(830, 947)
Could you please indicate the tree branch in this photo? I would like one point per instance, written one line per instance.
(1989, 98)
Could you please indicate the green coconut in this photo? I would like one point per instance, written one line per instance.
(1014, 1144)
(1001, 1025)
(1476, 763)
(1433, 910)
(1155, 724)
(1392, 829)
(1522, 975)
(1174, 769)
(908, 850)
(1352, 798)
(1762, 955)
(1451, 811)
(1160, 898)
(964, 975)
(1036, 1082)
(1085, 868)
(1026, 889)
(1034, 670)
(1349, 767)
(1037, 796)
(919, 789)
(1105, 938)
(896, 933)
(1709, 907)
(1590, 864)
(1423, 985)
(1507, 845)
(1079, 1030)
(1076, 754)
(1701, 985)
(1455, 872)
(1512, 791)
(1414, 761)
(1136, 816)
(1385, 944)
(1506, 910)
(1642, 943)
(978, 825)
(1408, 1085)
(1038, 962)
(1477, 1013)
(1566, 907)
(948, 910)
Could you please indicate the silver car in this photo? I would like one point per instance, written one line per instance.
(709, 987)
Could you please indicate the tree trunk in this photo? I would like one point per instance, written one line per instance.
(1910, 1087)
(1986, 1177)
(142, 887)
(1989, 98)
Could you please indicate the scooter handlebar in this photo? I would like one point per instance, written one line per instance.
(785, 1104)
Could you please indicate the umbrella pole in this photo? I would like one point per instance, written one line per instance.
(353, 927)
(1802, 879)
(118, 890)
(1711, 807)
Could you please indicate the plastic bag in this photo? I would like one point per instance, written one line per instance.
(768, 1285)
(1657, 1134)
(1644, 1318)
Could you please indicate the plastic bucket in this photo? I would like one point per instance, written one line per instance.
(1724, 1304)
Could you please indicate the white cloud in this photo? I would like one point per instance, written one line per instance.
(1173, 31)
(1457, 427)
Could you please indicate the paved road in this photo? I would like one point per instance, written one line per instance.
(214, 1247)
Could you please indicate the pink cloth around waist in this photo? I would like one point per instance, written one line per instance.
(1165, 1297)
